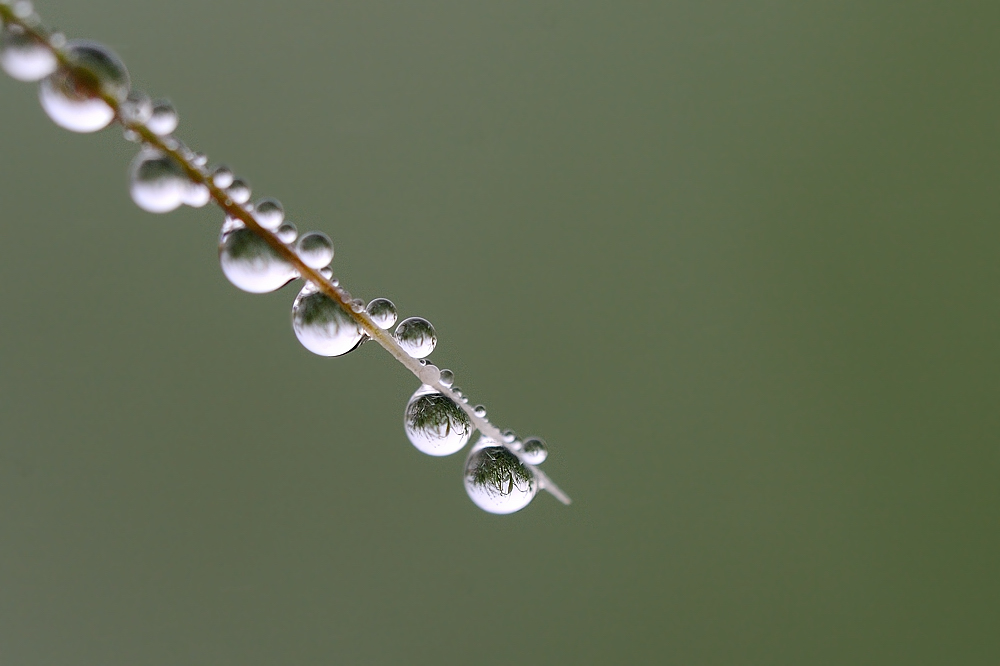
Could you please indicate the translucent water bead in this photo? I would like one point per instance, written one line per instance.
(383, 312)
(435, 424)
(250, 263)
(315, 249)
(23, 57)
(496, 480)
(416, 336)
(163, 119)
(447, 377)
(322, 325)
(159, 184)
(238, 190)
(287, 232)
(73, 97)
(269, 213)
(534, 451)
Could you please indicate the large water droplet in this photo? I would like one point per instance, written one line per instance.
(447, 377)
(269, 213)
(435, 424)
(72, 96)
(158, 183)
(322, 325)
(534, 451)
(416, 336)
(163, 119)
(315, 249)
(383, 312)
(23, 57)
(496, 480)
(251, 264)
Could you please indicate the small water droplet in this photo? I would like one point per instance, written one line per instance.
(322, 325)
(23, 9)
(163, 119)
(72, 96)
(251, 264)
(508, 436)
(287, 232)
(429, 373)
(534, 450)
(447, 377)
(416, 336)
(239, 191)
(157, 182)
(269, 213)
(435, 424)
(136, 109)
(480, 411)
(315, 249)
(496, 480)
(196, 194)
(222, 177)
(327, 272)
(383, 312)
(23, 57)
(199, 159)
(57, 40)
(357, 305)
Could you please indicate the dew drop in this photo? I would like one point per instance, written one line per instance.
(136, 109)
(534, 450)
(239, 191)
(447, 377)
(322, 325)
(416, 336)
(435, 424)
(429, 373)
(72, 96)
(222, 177)
(251, 264)
(269, 213)
(157, 182)
(357, 306)
(287, 232)
(315, 249)
(383, 312)
(327, 272)
(496, 480)
(508, 436)
(163, 119)
(480, 411)
(196, 194)
(23, 57)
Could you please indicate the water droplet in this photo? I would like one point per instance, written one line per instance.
(327, 272)
(383, 312)
(199, 159)
(416, 336)
(136, 109)
(315, 249)
(435, 424)
(287, 232)
(480, 411)
(429, 373)
(163, 119)
(447, 377)
(251, 264)
(358, 305)
(322, 325)
(196, 194)
(222, 177)
(496, 480)
(23, 9)
(534, 450)
(157, 182)
(23, 57)
(269, 213)
(508, 436)
(239, 191)
(72, 96)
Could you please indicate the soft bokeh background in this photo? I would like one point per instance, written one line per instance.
(735, 261)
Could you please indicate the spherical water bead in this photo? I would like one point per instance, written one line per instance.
(447, 377)
(383, 312)
(196, 194)
(357, 306)
(251, 264)
(163, 119)
(315, 249)
(136, 109)
(157, 182)
(416, 336)
(23, 57)
(322, 325)
(327, 273)
(534, 451)
(508, 436)
(239, 191)
(480, 411)
(269, 213)
(222, 177)
(496, 480)
(287, 232)
(429, 373)
(72, 96)
(435, 424)
(199, 159)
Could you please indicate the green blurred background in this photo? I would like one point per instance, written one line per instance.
(735, 261)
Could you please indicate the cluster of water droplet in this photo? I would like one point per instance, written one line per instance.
(83, 86)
